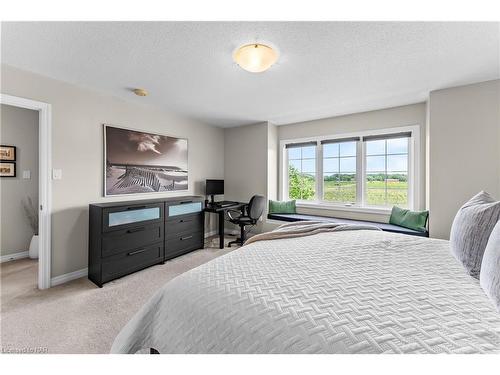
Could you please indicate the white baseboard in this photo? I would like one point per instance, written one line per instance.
(226, 231)
(61, 279)
(15, 256)
(211, 233)
(216, 233)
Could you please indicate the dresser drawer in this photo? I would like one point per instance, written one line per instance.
(181, 244)
(124, 263)
(123, 240)
(184, 224)
(133, 215)
(175, 209)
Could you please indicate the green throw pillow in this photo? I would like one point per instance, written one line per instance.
(416, 220)
(278, 207)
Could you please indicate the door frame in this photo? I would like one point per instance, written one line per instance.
(44, 182)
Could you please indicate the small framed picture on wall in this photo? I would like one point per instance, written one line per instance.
(7, 169)
(7, 153)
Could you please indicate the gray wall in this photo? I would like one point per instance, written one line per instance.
(464, 149)
(245, 163)
(272, 161)
(77, 141)
(19, 128)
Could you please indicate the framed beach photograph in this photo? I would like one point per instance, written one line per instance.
(7, 169)
(7, 153)
(138, 162)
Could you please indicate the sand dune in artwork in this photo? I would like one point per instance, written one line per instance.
(140, 179)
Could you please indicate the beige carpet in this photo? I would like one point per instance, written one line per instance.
(78, 317)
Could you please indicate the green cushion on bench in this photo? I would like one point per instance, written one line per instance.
(279, 207)
(416, 220)
(384, 226)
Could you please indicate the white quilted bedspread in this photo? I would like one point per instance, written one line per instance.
(345, 292)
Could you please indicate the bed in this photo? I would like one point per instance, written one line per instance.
(337, 291)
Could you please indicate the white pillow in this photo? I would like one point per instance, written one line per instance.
(490, 267)
(471, 230)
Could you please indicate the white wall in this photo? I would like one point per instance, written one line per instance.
(77, 118)
(414, 114)
(464, 149)
(19, 128)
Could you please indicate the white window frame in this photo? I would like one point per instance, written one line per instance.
(414, 171)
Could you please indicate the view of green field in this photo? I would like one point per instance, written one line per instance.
(345, 191)
(382, 190)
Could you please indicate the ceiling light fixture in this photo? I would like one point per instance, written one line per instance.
(255, 58)
(140, 92)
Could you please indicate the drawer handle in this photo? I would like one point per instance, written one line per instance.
(186, 238)
(137, 252)
(185, 221)
(136, 208)
(136, 230)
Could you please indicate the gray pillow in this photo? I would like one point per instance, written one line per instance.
(471, 230)
(490, 267)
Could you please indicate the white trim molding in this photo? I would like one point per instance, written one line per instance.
(338, 207)
(67, 277)
(45, 181)
(231, 232)
(14, 256)
(211, 233)
(61, 279)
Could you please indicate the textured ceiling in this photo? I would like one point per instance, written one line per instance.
(325, 68)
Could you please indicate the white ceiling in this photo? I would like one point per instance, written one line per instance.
(325, 68)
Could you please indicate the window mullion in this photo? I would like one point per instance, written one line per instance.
(385, 171)
(286, 176)
(339, 172)
(360, 173)
(410, 187)
(300, 173)
(319, 172)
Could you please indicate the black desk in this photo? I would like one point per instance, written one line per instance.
(221, 211)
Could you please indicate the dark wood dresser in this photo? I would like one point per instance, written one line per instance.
(125, 237)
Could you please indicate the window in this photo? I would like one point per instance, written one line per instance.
(387, 171)
(339, 170)
(302, 170)
(369, 171)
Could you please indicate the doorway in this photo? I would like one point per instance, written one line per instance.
(43, 207)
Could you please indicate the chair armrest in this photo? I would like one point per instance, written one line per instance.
(231, 216)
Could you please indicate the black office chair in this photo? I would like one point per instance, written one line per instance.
(249, 215)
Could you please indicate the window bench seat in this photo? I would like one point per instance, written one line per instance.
(384, 226)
